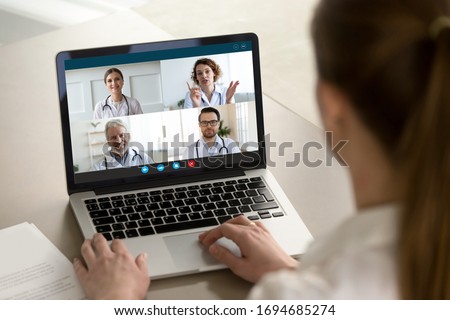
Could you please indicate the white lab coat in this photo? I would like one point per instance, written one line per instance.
(133, 157)
(127, 107)
(219, 97)
(221, 146)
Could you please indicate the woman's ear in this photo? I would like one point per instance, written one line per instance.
(333, 106)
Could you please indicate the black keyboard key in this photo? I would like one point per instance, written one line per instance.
(115, 198)
(101, 221)
(118, 226)
(118, 235)
(193, 187)
(256, 185)
(229, 189)
(140, 208)
(243, 180)
(131, 202)
(192, 194)
(180, 189)
(107, 236)
(220, 212)
(155, 199)
(278, 214)
(194, 216)
(264, 206)
(127, 210)
(207, 214)
(99, 214)
(104, 199)
(104, 228)
(155, 193)
(131, 225)
(182, 217)
(143, 200)
(206, 186)
(241, 187)
(90, 201)
(169, 219)
(170, 190)
(134, 216)
(159, 213)
(217, 190)
(144, 223)
(214, 198)
(115, 212)
(256, 179)
(153, 206)
(246, 201)
(172, 211)
(205, 192)
(142, 194)
(266, 193)
(147, 215)
(224, 219)
(222, 204)
(253, 217)
(230, 182)
(178, 203)
(105, 205)
(232, 211)
(156, 221)
(129, 196)
(251, 193)
(186, 225)
(197, 208)
(244, 209)
(236, 203)
(209, 206)
(202, 200)
(165, 205)
(118, 204)
(190, 201)
(92, 207)
(239, 194)
(259, 199)
(122, 218)
(265, 216)
(227, 196)
(146, 231)
(131, 233)
(168, 197)
(185, 209)
(181, 195)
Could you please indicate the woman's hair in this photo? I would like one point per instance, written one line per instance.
(111, 70)
(392, 62)
(210, 63)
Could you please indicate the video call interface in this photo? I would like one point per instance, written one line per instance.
(157, 128)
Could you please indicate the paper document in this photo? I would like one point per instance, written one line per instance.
(33, 268)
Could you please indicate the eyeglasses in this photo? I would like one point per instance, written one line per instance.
(212, 123)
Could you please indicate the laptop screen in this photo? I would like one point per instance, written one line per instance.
(160, 111)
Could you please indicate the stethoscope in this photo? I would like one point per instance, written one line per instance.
(107, 105)
(197, 144)
(136, 155)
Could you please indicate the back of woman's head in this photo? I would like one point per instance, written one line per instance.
(391, 58)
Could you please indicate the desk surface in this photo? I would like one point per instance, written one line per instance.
(33, 185)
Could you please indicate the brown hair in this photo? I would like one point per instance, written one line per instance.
(111, 70)
(381, 54)
(210, 63)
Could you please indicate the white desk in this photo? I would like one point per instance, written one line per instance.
(33, 185)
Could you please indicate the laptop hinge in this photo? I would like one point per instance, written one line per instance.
(169, 181)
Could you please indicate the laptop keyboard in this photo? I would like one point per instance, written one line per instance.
(174, 209)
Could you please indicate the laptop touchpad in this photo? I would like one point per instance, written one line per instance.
(188, 252)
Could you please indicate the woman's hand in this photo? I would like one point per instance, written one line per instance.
(231, 91)
(110, 271)
(260, 252)
(196, 95)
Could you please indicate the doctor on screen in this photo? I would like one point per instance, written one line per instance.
(205, 91)
(116, 104)
(210, 143)
(119, 154)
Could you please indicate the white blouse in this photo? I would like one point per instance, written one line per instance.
(355, 261)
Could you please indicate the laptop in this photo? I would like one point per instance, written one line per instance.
(161, 198)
